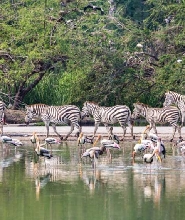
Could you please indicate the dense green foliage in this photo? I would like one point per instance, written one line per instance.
(58, 54)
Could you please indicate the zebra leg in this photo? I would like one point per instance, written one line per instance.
(182, 115)
(1, 128)
(131, 129)
(179, 130)
(95, 129)
(124, 131)
(109, 130)
(152, 125)
(79, 129)
(72, 128)
(55, 130)
(174, 130)
(47, 128)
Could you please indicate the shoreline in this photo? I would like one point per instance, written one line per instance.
(23, 131)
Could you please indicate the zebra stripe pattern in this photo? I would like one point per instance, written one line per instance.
(108, 115)
(169, 114)
(2, 115)
(66, 114)
(177, 99)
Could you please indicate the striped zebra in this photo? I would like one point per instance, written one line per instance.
(169, 114)
(2, 115)
(66, 114)
(177, 99)
(108, 116)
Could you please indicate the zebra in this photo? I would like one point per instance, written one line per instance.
(178, 100)
(2, 115)
(108, 115)
(65, 114)
(169, 114)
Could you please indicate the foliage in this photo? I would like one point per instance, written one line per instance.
(65, 55)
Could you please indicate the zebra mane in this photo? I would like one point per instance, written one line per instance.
(91, 102)
(36, 104)
(142, 104)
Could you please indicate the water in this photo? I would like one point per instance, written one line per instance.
(67, 188)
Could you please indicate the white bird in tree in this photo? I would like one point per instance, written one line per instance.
(93, 7)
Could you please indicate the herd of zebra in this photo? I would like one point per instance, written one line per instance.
(72, 115)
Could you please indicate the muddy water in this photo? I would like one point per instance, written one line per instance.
(67, 187)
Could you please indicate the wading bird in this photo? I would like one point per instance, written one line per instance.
(40, 150)
(143, 144)
(94, 153)
(159, 150)
(108, 144)
(11, 141)
(82, 139)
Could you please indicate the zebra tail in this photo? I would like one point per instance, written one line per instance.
(180, 121)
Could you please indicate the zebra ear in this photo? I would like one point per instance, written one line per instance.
(168, 91)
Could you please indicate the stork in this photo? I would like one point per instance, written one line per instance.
(11, 141)
(143, 144)
(108, 144)
(94, 153)
(40, 150)
(82, 139)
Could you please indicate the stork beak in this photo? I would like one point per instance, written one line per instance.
(116, 145)
(147, 127)
(98, 138)
(159, 158)
(133, 154)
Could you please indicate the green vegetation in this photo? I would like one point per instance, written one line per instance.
(55, 54)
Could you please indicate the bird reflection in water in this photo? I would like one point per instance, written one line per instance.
(91, 180)
(153, 187)
(41, 182)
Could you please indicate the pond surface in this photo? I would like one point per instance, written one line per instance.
(67, 187)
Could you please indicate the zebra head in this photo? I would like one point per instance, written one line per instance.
(169, 99)
(33, 111)
(87, 109)
(138, 108)
(30, 113)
